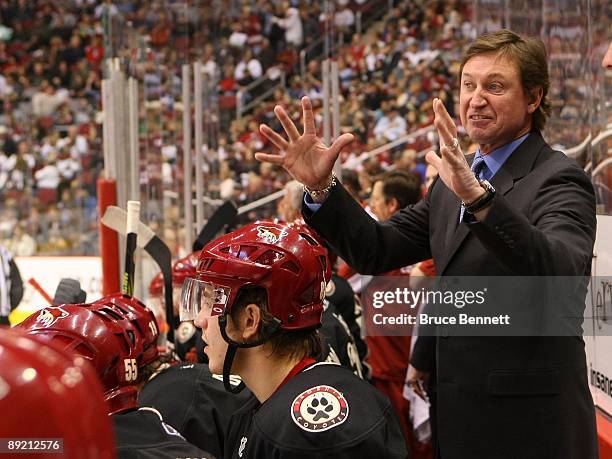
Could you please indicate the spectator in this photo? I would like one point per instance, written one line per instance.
(47, 100)
(408, 162)
(21, 244)
(7, 144)
(292, 23)
(390, 126)
(344, 20)
(56, 64)
(250, 64)
(47, 180)
(74, 51)
(238, 38)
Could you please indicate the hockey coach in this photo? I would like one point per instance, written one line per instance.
(515, 208)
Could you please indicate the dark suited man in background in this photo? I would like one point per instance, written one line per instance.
(519, 209)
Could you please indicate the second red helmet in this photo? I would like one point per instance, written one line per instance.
(117, 334)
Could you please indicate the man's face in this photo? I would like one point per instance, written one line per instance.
(493, 106)
(382, 209)
(216, 346)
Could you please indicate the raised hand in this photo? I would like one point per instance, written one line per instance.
(452, 167)
(306, 158)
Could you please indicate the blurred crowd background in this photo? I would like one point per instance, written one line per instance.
(393, 57)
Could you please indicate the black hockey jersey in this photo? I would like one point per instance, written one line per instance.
(338, 344)
(324, 411)
(339, 293)
(143, 434)
(195, 402)
(188, 343)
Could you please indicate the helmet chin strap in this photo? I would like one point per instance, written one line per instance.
(233, 347)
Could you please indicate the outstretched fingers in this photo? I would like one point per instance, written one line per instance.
(444, 123)
(277, 140)
(270, 158)
(447, 131)
(340, 143)
(308, 117)
(288, 125)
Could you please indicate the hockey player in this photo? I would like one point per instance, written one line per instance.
(258, 297)
(188, 395)
(194, 401)
(52, 395)
(338, 343)
(118, 336)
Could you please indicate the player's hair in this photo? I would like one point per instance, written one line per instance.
(529, 56)
(285, 343)
(404, 186)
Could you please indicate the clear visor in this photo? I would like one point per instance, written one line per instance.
(203, 296)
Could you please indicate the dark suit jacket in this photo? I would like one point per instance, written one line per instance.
(498, 397)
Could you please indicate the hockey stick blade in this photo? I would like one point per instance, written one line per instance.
(116, 219)
(223, 216)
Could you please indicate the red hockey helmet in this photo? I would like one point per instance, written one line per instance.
(156, 287)
(181, 269)
(49, 393)
(285, 260)
(332, 256)
(117, 334)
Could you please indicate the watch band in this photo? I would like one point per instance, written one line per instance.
(483, 201)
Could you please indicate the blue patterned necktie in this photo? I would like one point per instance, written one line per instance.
(478, 167)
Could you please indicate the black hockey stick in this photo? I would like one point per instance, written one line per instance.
(133, 217)
(115, 218)
(223, 216)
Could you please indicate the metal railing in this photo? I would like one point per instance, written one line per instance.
(172, 195)
(242, 108)
(353, 163)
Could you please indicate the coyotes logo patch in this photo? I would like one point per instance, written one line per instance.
(48, 316)
(319, 408)
(270, 234)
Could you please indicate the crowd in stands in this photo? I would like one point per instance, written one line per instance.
(52, 64)
(50, 139)
(389, 75)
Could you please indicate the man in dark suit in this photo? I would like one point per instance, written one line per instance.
(521, 209)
